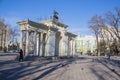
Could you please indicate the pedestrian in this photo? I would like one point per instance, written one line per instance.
(5, 49)
(21, 55)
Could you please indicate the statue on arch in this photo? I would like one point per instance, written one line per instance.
(55, 15)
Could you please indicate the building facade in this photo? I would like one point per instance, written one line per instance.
(85, 44)
(48, 38)
(3, 37)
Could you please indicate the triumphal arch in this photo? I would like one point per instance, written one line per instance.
(46, 38)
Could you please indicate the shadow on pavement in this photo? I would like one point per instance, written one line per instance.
(97, 71)
(18, 70)
(62, 64)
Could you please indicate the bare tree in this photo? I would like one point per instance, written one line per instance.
(107, 29)
(2, 24)
(95, 24)
(3, 33)
(13, 33)
(113, 20)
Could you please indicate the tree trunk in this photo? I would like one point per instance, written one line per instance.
(97, 45)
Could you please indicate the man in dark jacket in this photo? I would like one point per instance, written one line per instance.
(21, 55)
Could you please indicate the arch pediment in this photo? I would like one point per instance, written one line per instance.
(33, 24)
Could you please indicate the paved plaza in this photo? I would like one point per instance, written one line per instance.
(78, 68)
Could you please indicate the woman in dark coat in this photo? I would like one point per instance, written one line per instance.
(21, 55)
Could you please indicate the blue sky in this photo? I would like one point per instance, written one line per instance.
(74, 13)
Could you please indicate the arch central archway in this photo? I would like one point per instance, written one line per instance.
(44, 44)
(57, 43)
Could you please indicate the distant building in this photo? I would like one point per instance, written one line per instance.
(85, 44)
(48, 38)
(3, 37)
(110, 38)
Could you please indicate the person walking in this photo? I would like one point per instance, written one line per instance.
(21, 55)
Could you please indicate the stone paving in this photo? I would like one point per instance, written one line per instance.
(80, 68)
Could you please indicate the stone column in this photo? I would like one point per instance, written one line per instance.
(47, 39)
(27, 43)
(69, 46)
(34, 43)
(41, 43)
(63, 53)
(45, 45)
(68, 53)
(38, 44)
(21, 38)
(73, 47)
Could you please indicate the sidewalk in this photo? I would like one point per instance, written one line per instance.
(82, 68)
